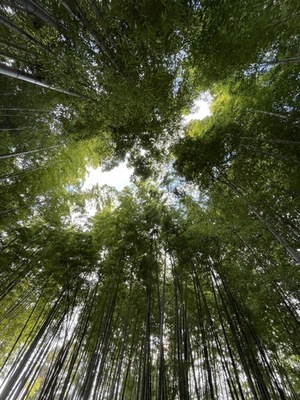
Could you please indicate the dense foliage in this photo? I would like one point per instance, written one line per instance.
(185, 285)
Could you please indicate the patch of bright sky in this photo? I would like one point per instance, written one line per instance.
(118, 177)
(200, 109)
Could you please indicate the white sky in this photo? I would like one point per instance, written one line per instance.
(199, 110)
(119, 177)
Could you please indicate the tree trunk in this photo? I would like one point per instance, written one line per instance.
(39, 12)
(21, 153)
(6, 22)
(293, 253)
(24, 76)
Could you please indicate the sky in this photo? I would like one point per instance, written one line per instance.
(199, 110)
(119, 177)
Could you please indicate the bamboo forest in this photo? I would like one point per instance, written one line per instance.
(185, 284)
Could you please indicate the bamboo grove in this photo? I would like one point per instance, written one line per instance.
(184, 285)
